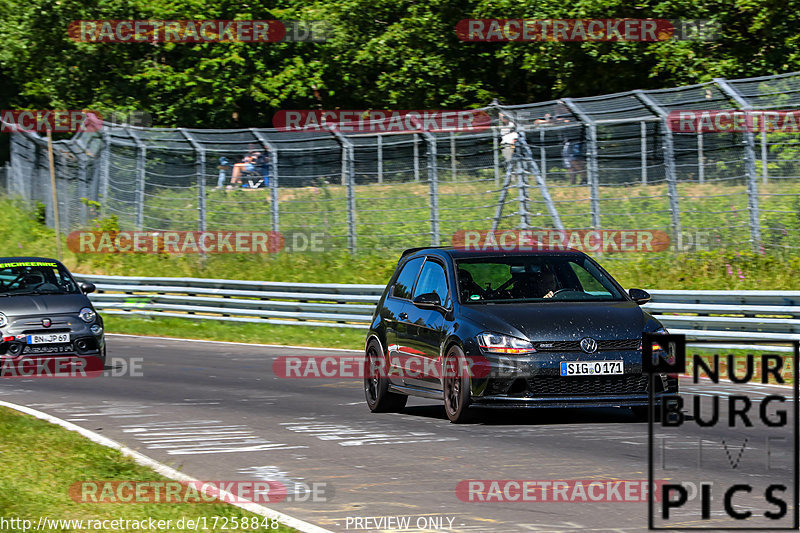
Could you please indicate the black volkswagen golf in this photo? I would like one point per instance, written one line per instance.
(508, 329)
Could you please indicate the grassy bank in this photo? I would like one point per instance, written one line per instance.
(322, 337)
(25, 234)
(41, 461)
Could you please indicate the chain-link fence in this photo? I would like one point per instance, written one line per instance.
(605, 162)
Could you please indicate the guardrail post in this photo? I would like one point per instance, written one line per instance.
(669, 165)
(141, 159)
(592, 170)
(273, 178)
(348, 179)
(750, 165)
(200, 169)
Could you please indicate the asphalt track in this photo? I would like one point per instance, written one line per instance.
(218, 412)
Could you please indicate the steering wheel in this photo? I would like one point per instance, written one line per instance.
(565, 289)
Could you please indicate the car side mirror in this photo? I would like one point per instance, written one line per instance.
(429, 299)
(639, 296)
(87, 287)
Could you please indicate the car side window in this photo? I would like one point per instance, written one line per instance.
(405, 281)
(433, 279)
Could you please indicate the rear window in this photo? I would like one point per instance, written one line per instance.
(35, 277)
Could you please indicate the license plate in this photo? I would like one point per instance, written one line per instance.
(49, 338)
(590, 368)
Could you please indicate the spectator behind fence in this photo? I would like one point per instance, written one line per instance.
(246, 165)
(508, 137)
(224, 164)
(262, 165)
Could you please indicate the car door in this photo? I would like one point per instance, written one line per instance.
(426, 329)
(394, 315)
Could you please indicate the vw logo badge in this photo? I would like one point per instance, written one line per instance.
(588, 345)
(46, 322)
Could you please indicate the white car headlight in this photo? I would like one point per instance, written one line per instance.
(496, 343)
(3, 320)
(87, 314)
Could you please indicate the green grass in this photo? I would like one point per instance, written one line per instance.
(323, 337)
(41, 461)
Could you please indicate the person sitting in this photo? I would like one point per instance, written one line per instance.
(245, 166)
(468, 287)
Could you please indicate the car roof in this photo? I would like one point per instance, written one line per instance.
(21, 259)
(461, 253)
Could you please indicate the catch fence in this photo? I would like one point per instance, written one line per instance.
(606, 162)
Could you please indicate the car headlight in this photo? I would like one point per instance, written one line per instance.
(3, 320)
(87, 314)
(496, 343)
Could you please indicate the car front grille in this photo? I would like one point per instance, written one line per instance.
(575, 346)
(45, 331)
(588, 385)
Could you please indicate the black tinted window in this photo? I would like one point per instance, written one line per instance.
(405, 281)
(432, 279)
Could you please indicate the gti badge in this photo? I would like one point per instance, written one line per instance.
(46, 322)
(588, 345)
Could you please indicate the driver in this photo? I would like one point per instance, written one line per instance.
(546, 285)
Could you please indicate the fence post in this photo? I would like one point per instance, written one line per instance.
(542, 155)
(416, 157)
(643, 134)
(496, 155)
(348, 179)
(200, 169)
(380, 158)
(592, 170)
(453, 175)
(701, 164)
(669, 165)
(764, 155)
(141, 159)
(105, 167)
(750, 165)
(433, 180)
(273, 178)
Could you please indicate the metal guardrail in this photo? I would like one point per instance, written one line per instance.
(706, 315)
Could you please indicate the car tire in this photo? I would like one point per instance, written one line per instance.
(376, 385)
(456, 386)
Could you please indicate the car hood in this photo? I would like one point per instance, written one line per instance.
(41, 304)
(561, 320)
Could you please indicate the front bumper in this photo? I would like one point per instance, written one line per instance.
(535, 381)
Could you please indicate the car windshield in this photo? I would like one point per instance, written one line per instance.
(533, 278)
(35, 277)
